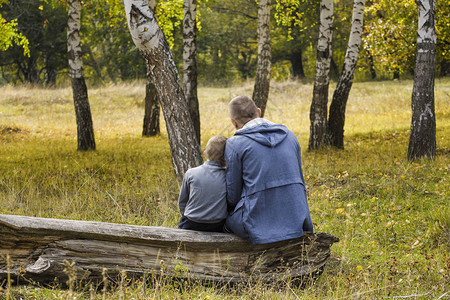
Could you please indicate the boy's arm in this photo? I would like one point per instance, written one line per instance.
(184, 195)
(234, 176)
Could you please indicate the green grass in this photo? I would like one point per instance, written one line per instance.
(392, 216)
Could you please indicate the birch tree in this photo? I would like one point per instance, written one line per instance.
(189, 61)
(262, 81)
(422, 141)
(150, 40)
(85, 129)
(340, 96)
(319, 106)
(151, 111)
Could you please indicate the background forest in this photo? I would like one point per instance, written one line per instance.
(391, 215)
(226, 42)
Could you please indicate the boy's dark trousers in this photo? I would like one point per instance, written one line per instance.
(185, 223)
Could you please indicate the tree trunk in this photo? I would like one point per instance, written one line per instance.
(396, 75)
(39, 249)
(319, 106)
(422, 141)
(445, 67)
(150, 40)
(85, 129)
(190, 63)
(244, 62)
(151, 112)
(50, 76)
(296, 59)
(340, 96)
(151, 115)
(334, 69)
(372, 70)
(262, 81)
(30, 70)
(50, 71)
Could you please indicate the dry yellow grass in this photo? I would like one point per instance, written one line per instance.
(392, 216)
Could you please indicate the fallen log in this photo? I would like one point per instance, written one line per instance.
(37, 248)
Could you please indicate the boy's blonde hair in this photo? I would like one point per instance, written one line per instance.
(215, 149)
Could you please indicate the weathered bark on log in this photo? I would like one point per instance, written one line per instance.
(38, 247)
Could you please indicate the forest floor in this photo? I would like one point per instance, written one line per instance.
(392, 216)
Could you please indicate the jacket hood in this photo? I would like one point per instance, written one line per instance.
(269, 135)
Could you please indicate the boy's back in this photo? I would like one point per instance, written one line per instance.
(203, 194)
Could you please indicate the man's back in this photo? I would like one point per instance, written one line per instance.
(265, 184)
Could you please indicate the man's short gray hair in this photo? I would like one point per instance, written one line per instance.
(215, 149)
(242, 109)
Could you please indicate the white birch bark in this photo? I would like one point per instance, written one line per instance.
(151, 111)
(74, 40)
(319, 106)
(189, 61)
(85, 129)
(340, 96)
(262, 81)
(422, 141)
(150, 40)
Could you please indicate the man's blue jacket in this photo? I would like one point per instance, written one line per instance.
(265, 187)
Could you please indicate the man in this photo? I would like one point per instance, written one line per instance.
(266, 192)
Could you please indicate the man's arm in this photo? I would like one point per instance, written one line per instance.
(184, 195)
(234, 176)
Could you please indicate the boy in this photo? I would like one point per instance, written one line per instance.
(202, 201)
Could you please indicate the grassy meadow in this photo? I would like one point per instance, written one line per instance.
(392, 216)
